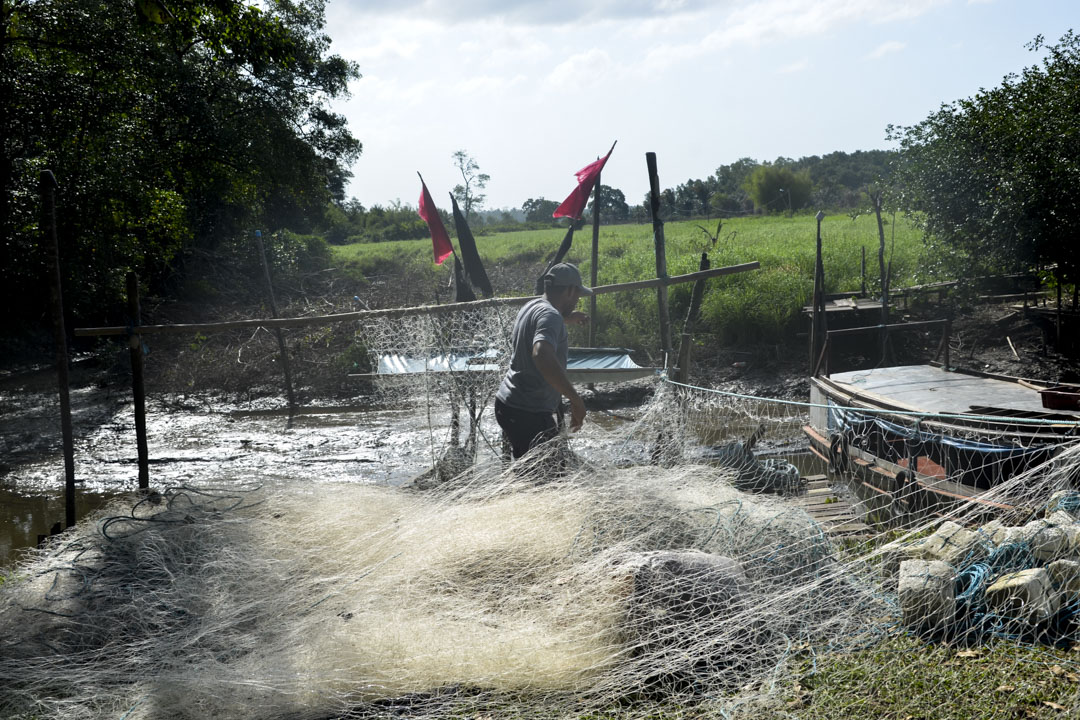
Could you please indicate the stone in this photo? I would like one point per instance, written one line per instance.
(1025, 598)
(927, 595)
(1065, 578)
(674, 598)
(956, 545)
(1047, 542)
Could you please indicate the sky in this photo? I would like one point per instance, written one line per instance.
(534, 90)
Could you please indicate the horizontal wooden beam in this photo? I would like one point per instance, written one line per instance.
(400, 312)
(921, 325)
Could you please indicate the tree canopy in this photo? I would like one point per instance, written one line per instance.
(994, 178)
(169, 127)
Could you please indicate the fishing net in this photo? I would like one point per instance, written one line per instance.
(680, 562)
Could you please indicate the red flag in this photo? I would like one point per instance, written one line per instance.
(439, 239)
(575, 202)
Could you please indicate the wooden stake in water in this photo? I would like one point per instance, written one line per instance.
(137, 383)
(47, 186)
(277, 331)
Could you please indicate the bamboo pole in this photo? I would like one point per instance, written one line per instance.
(282, 349)
(47, 185)
(138, 386)
(661, 256)
(404, 312)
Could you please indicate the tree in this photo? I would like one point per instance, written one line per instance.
(613, 205)
(166, 132)
(778, 189)
(469, 195)
(539, 210)
(994, 178)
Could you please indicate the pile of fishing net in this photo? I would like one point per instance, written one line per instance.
(545, 595)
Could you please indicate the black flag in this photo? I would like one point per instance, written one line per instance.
(474, 269)
(463, 292)
(563, 249)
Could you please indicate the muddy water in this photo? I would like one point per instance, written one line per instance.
(205, 442)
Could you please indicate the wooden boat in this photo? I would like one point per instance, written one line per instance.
(921, 438)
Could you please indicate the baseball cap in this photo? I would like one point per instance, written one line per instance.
(567, 275)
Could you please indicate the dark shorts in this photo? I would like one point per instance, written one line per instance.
(524, 429)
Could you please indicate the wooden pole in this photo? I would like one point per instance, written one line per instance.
(816, 338)
(404, 312)
(684, 358)
(661, 256)
(138, 387)
(885, 354)
(863, 273)
(594, 260)
(47, 186)
(283, 351)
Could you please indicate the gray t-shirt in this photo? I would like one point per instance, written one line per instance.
(524, 387)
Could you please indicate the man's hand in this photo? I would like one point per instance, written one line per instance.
(577, 318)
(577, 413)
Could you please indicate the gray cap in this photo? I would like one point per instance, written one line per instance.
(567, 275)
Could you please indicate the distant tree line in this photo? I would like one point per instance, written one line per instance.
(836, 182)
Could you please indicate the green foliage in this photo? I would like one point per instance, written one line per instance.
(993, 179)
(351, 223)
(776, 188)
(761, 306)
(469, 194)
(613, 207)
(165, 134)
(539, 210)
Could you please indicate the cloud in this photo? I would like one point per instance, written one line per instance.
(886, 48)
(586, 69)
(532, 12)
(797, 66)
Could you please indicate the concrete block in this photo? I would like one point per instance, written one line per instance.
(893, 555)
(956, 545)
(927, 594)
(1065, 578)
(1024, 598)
(1047, 542)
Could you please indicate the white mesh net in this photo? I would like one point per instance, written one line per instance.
(681, 568)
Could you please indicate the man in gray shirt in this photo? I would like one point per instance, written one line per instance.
(529, 395)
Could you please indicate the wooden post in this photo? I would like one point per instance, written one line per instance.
(137, 386)
(595, 260)
(47, 186)
(863, 272)
(817, 319)
(661, 257)
(684, 358)
(283, 351)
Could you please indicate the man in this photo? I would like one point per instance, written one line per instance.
(530, 393)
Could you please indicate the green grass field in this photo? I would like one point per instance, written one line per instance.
(759, 306)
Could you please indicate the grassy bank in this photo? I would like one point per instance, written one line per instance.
(754, 307)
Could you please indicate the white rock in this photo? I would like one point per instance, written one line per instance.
(927, 594)
(1065, 577)
(954, 544)
(1047, 542)
(1025, 598)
